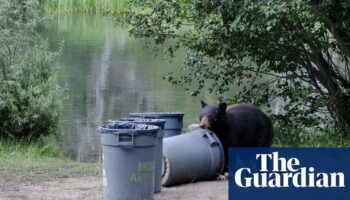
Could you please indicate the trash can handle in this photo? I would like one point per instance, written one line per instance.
(212, 141)
(126, 143)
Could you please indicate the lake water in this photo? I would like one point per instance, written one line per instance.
(108, 75)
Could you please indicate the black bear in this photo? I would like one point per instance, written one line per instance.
(238, 125)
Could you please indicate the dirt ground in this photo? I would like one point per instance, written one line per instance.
(91, 188)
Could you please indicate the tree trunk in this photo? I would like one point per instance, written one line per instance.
(333, 84)
(341, 107)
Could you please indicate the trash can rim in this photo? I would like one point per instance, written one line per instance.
(122, 127)
(159, 114)
(138, 120)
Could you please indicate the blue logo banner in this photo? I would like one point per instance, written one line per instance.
(289, 173)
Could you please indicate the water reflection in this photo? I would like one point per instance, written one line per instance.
(109, 75)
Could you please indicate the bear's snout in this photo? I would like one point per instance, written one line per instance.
(204, 123)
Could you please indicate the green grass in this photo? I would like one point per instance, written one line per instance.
(21, 161)
(327, 138)
(67, 6)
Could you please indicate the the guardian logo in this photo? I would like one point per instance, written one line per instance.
(285, 173)
(289, 173)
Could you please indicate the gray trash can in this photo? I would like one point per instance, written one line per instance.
(193, 156)
(173, 124)
(159, 147)
(128, 154)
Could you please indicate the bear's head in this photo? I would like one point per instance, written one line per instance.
(213, 117)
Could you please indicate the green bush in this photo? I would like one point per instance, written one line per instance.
(30, 98)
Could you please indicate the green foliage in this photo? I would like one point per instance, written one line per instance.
(30, 98)
(257, 51)
(114, 6)
(329, 137)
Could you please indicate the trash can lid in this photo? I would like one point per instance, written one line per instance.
(138, 120)
(120, 127)
(158, 114)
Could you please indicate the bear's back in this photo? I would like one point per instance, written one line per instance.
(248, 125)
(242, 108)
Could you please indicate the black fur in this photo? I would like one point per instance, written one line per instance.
(241, 125)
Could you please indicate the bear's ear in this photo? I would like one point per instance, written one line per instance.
(203, 104)
(223, 106)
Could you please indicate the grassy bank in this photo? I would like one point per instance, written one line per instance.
(64, 6)
(20, 161)
(326, 138)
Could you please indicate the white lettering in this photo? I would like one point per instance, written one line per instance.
(238, 178)
(286, 173)
(263, 161)
(340, 178)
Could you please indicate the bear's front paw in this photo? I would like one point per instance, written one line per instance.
(221, 177)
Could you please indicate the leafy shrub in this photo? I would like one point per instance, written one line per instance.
(30, 98)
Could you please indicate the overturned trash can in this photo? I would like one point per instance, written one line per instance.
(159, 147)
(193, 156)
(173, 124)
(128, 154)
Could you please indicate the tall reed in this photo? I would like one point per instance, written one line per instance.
(64, 6)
